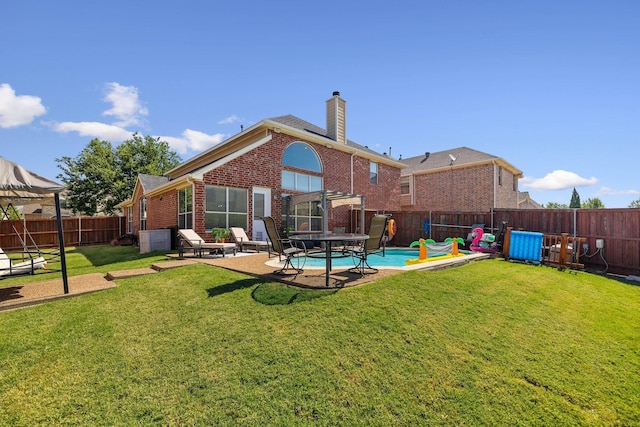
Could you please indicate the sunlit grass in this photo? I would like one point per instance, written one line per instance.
(89, 259)
(488, 343)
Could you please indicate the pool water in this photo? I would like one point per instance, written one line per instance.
(394, 257)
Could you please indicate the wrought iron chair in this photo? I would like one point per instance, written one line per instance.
(285, 248)
(373, 245)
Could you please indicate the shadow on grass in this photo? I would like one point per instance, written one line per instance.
(102, 254)
(10, 293)
(271, 293)
(281, 294)
(234, 286)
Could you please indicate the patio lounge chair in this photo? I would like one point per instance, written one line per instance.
(374, 244)
(243, 240)
(284, 248)
(9, 268)
(189, 239)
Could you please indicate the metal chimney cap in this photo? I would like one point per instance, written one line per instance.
(336, 93)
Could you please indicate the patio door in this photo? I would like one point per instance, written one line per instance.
(261, 207)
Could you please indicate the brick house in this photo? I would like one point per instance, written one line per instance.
(250, 175)
(461, 179)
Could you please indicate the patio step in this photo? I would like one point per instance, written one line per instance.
(167, 265)
(155, 268)
(123, 274)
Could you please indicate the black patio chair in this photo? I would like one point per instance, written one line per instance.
(375, 244)
(285, 248)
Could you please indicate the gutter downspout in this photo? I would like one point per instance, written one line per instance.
(351, 172)
(351, 191)
(495, 184)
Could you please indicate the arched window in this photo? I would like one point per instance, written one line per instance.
(301, 156)
(305, 216)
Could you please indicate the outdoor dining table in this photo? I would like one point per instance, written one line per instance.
(328, 239)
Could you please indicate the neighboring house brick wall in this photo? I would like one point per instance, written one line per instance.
(462, 189)
(506, 194)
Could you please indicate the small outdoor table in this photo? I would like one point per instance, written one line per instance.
(328, 239)
(222, 248)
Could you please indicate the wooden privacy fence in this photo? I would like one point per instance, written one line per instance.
(44, 232)
(616, 230)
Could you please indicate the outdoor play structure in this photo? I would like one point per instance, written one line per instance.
(430, 250)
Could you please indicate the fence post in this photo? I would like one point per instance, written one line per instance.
(564, 243)
(506, 242)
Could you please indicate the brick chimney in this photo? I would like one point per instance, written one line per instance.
(337, 118)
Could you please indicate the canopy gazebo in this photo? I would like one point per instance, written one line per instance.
(18, 186)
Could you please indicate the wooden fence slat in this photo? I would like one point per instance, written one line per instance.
(43, 233)
(618, 228)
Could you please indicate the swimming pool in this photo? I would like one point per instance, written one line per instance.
(394, 258)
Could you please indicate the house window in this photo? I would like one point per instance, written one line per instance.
(305, 216)
(225, 207)
(405, 188)
(143, 214)
(499, 175)
(301, 156)
(185, 208)
(373, 172)
(300, 182)
(515, 183)
(130, 219)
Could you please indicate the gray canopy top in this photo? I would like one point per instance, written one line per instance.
(19, 186)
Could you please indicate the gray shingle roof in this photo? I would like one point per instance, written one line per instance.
(298, 123)
(149, 182)
(441, 159)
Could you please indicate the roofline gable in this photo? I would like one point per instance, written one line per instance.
(238, 143)
(499, 161)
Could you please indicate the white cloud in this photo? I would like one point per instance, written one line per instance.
(126, 105)
(557, 180)
(18, 110)
(193, 141)
(606, 191)
(98, 130)
(228, 120)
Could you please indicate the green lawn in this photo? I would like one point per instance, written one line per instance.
(488, 343)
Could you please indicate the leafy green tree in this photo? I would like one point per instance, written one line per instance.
(146, 155)
(555, 205)
(89, 178)
(593, 203)
(102, 176)
(575, 199)
(635, 204)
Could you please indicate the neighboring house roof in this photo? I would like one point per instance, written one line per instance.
(526, 202)
(453, 158)
(44, 211)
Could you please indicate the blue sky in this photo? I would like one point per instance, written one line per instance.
(553, 87)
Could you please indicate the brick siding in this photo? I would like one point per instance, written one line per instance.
(261, 167)
(462, 189)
